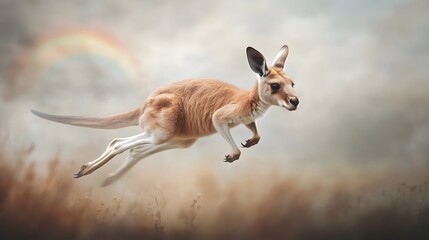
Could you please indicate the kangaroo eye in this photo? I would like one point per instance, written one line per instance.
(293, 84)
(275, 86)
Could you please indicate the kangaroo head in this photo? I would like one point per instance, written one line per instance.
(274, 86)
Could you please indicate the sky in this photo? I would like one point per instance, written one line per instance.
(360, 69)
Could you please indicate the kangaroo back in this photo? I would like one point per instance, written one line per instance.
(121, 120)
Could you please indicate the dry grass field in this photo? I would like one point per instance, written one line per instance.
(337, 204)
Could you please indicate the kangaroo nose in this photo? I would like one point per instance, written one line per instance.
(294, 101)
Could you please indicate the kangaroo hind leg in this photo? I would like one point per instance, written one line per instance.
(140, 152)
(159, 118)
(117, 146)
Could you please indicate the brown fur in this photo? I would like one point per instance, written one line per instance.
(191, 105)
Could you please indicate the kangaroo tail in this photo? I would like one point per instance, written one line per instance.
(126, 119)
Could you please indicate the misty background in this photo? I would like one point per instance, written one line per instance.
(360, 69)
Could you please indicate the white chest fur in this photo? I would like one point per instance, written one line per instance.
(258, 112)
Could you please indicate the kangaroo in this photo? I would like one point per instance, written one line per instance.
(176, 115)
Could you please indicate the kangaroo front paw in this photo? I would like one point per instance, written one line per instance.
(250, 142)
(232, 157)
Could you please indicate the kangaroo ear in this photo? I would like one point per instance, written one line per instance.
(280, 59)
(257, 61)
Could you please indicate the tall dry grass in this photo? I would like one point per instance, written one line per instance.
(323, 205)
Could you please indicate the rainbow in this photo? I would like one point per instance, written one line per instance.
(66, 43)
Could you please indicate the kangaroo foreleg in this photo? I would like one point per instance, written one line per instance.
(221, 120)
(255, 138)
(226, 134)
